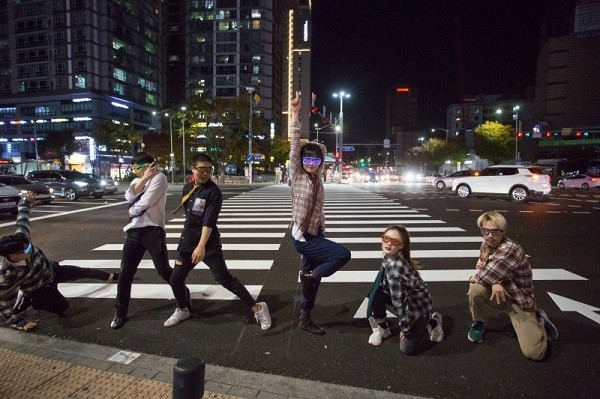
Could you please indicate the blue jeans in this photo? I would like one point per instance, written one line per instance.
(139, 240)
(322, 257)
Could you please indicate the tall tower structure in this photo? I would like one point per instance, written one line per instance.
(401, 117)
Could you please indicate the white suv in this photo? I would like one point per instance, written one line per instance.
(519, 182)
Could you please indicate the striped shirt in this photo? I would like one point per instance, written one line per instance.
(39, 272)
(508, 265)
(304, 188)
(410, 296)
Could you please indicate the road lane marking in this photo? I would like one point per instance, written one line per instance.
(212, 292)
(450, 275)
(147, 264)
(226, 247)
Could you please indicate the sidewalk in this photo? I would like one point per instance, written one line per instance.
(37, 366)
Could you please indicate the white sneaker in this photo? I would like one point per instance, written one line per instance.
(437, 334)
(263, 316)
(177, 317)
(379, 334)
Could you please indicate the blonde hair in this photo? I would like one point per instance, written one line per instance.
(494, 217)
(405, 251)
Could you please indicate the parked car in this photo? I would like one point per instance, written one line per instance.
(443, 182)
(580, 181)
(109, 185)
(42, 192)
(517, 181)
(69, 184)
(9, 199)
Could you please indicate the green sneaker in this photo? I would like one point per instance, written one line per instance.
(476, 332)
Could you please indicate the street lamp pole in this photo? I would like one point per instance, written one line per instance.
(340, 149)
(172, 154)
(439, 128)
(183, 165)
(250, 91)
(516, 109)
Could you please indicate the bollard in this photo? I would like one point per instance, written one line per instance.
(188, 378)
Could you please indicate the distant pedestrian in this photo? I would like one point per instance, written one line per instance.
(147, 196)
(29, 278)
(399, 285)
(200, 242)
(319, 257)
(503, 283)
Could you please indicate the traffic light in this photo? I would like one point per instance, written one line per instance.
(528, 134)
(578, 135)
(314, 110)
(520, 135)
(586, 134)
(548, 134)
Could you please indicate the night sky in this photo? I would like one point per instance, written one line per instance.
(368, 46)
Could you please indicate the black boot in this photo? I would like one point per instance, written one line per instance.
(307, 324)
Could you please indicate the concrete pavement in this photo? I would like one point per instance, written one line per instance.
(38, 366)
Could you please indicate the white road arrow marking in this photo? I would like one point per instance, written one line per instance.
(570, 305)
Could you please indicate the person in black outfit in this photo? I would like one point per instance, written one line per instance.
(200, 242)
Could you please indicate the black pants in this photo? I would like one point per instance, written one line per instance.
(50, 299)
(216, 263)
(152, 239)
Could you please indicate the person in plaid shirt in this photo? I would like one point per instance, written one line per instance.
(399, 285)
(319, 257)
(28, 277)
(503, 282)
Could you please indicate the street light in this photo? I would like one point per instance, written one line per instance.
(172, 154)
(317, 128)
(516, 111)
(250, 91)
(439, 128)
(183, 164)
(341, 95)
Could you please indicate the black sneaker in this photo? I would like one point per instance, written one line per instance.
(310, 326)
(476, 332)
(551, 330)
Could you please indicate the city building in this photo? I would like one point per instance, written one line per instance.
(401, 119)
(66, 65)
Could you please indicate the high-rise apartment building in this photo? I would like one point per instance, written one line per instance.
(67, 64)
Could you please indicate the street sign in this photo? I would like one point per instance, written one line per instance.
(386, 143)
(347, 148)
(249, 157)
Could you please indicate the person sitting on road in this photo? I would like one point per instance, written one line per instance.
(28, 278)
(399, 285)
(200, 242)
(319, 257)
(503, 283)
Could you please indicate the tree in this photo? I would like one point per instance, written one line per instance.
(116, 138)
(58, 144)
(436, 152)
(494, 141)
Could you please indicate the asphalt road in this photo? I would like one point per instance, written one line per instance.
(559, 234)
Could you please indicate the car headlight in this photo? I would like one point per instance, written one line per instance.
(51, 190)
(81, 183)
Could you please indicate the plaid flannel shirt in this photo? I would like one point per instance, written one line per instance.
(409, 293)
(303, 187)
(508, 265)
(41, 273)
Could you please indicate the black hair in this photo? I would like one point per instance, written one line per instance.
(202, 157)
(311, 150)
(142, 157)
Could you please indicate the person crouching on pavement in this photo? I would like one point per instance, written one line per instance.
(200, 242)
(28, 278)
(503, 283)
(399, 285)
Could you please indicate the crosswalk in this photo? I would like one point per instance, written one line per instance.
(254, 224)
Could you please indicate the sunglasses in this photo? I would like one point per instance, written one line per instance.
(140, 166)
(26, 250)
(493, 232)
(202, 169)
(394, 242)
(311, 161)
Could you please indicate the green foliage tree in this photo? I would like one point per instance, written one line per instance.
(494, 141)
(436, 152)
(58, 144)
(117, 138)
(221, 124)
